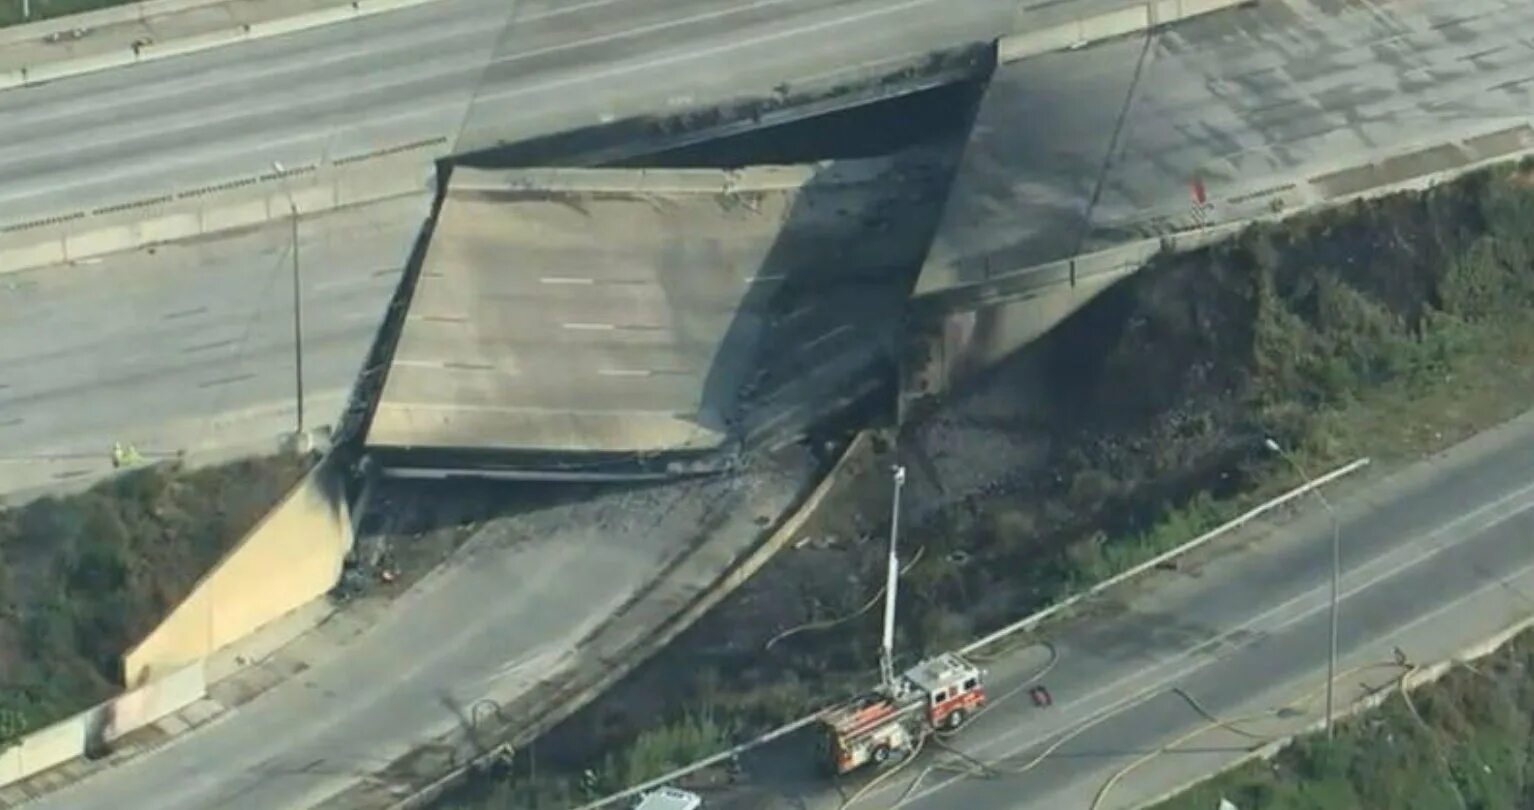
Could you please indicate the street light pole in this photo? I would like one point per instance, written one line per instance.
(26, 10)
(1331, 658)
(298, 308)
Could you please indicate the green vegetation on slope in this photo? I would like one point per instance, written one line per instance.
(1383, 329)
(1473, 747)
(84, 577)
(1388, 328)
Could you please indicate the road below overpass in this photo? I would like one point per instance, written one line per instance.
(1434, 558)
(527, 599)
(402, 77)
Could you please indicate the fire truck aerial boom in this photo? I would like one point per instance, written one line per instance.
(937, 694)
(892, 575)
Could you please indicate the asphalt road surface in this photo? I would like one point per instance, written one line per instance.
(396, 78)
(1435, 558)
(1079, 150)
(190, 347)
(505, 613)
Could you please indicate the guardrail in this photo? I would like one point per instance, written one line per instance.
(1030, 622)
(1021, 625)
(150, 51)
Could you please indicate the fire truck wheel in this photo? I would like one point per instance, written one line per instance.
(954, 719)
(881, 755)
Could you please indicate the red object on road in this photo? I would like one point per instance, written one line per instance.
(1197, 187)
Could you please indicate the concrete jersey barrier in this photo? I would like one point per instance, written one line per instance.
(1120, 22)
(1022, 625)
(127, 12)
(49, 71)
(861, 450)
(78, 735)
(292, 556)
(239, 203)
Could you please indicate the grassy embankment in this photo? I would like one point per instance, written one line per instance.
(1389, 328)
(84, 577)
(1468, 744)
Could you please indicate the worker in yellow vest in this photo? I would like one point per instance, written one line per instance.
(124, 455)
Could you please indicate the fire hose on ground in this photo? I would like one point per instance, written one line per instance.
(826, 624)
(969, 764)
(1054, 657)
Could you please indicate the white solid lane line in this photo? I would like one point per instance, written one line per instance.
(1483, 519)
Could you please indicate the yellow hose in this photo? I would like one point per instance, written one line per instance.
(1054, 657)
(1217, 722)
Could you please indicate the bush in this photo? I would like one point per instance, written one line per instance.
(1143, 421)
(86, 576)
(1470, 749)
(666, 748)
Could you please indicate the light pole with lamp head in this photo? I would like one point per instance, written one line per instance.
(1331, 658)
(298, 310)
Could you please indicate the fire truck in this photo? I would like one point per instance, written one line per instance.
(938, 694)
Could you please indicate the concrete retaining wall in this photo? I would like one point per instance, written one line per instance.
(72, 738)
(971, 327)
(859, 453)
(238, 203)
(47, 71)
(968, 329)
(1117, 23)
(291, 557)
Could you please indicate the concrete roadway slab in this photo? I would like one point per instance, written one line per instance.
(340, 90)
(627, 311)
(1435, 558)
(1248, 102)
(535, 596)
(189, 347)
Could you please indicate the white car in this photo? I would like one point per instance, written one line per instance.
(668, 798)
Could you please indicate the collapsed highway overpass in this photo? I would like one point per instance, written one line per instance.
(598, 322)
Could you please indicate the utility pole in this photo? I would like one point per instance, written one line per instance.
(298, 310)
(26, 10)
(1331, 657)
(887, 648)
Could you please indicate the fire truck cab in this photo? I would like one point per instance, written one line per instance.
(937, 694)
(952, 689)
